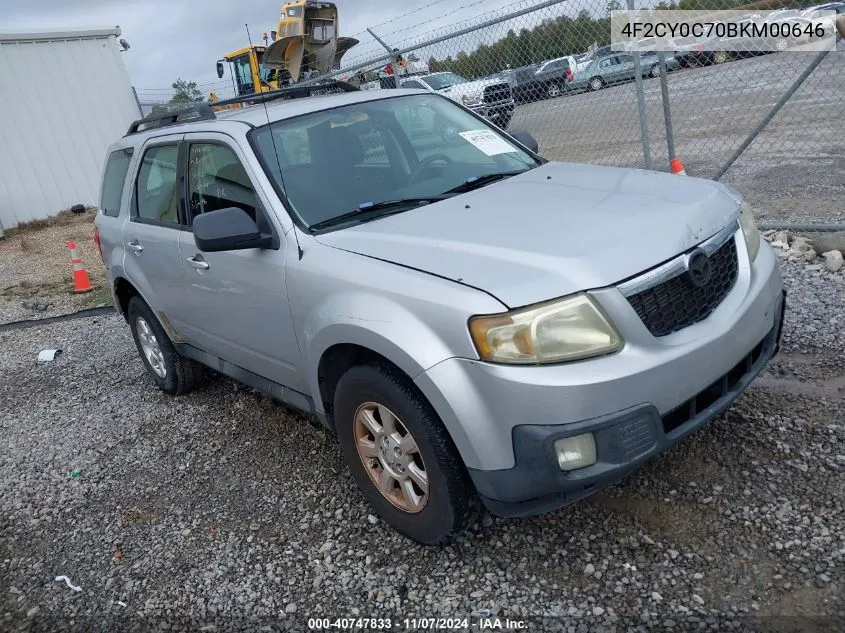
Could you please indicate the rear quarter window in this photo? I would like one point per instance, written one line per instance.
(114, 178)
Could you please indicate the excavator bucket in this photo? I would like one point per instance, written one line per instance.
(310, 41)
(286, 53)
(343, 45)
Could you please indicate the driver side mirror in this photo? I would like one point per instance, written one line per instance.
(220, 70)
(229, 229)
(527, 140)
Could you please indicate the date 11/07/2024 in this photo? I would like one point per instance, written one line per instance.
(416, 624)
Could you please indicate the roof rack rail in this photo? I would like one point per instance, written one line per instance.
(291, 92)
(195, 112)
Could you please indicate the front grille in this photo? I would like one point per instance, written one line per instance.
(496, 93)
(676, 303)
(706, 398)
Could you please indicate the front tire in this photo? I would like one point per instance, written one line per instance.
(655, 71)
(401, 456)
(720, 57)
(596, 83)
(505, 120)
(171, 373)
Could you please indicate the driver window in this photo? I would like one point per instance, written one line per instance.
(605, 63)
(218, 180)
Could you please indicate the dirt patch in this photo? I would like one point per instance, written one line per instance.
(36, 266)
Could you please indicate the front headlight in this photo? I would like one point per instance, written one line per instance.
(749, 230)
(567, 329)
(470, 100)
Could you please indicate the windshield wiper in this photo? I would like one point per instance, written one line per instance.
(476, 182)
(387, 206)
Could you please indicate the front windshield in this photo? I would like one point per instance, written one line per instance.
(266, 74)
(444, 80)
(408, 147)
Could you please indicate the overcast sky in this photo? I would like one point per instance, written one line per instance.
(184, 38)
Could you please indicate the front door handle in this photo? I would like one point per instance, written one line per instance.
(135, 247)
(199, 264)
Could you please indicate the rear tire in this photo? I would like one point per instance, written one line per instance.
(171, 373)
(655, 71)
(375, 405)
(720, 57)
(553, 91)
(596, 83)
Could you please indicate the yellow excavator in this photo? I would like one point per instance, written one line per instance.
(306, 42)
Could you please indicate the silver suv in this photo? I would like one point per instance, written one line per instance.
(479, 326)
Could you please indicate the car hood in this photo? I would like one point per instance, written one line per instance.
(551, 231)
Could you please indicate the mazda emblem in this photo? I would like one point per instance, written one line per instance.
(699, 269)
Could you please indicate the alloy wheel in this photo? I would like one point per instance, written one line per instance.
(391, 457)
(150, 348)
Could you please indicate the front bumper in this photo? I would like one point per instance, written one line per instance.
(495, 112)
(624, 441)
(501, 417)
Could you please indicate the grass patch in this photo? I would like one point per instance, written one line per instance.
(28, 289)
(63, 218)
(47, 290)
(100, 296)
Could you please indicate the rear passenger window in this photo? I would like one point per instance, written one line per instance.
(115, 176)
(157, 193)
(218, 180)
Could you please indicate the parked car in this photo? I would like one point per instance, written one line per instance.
(722, 49)
(550, 78)
(600, 52)
(545, 80)
(491, 98)
(818, 13)
(617, 68)
(521, 81)
(472, 321)
(815, 11)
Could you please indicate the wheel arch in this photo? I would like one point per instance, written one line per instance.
(124, 290)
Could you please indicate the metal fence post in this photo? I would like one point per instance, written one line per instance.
(667, 113)
(638, 80)
(395, 64)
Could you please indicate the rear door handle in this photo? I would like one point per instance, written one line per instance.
(135, 247)
(199, 264)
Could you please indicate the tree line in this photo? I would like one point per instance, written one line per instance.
(558, 37)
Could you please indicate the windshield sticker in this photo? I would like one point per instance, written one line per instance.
(488, 142)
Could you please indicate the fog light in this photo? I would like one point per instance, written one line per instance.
(576, 452)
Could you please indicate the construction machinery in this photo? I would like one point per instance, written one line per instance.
(305, 44)
(249, 73)
(306, 40)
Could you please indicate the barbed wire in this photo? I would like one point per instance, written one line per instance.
(360, 58)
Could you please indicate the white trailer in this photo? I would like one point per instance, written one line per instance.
(64, 98)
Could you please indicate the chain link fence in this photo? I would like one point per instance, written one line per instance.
(792, 168)
(768, 124)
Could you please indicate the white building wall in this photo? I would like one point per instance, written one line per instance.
(64, 98)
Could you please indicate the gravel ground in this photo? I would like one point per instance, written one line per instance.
(223, 511)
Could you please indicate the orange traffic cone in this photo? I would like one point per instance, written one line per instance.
(81, 281)
(678, 167)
